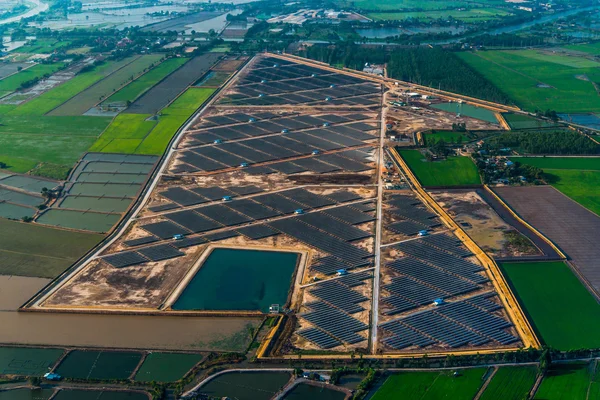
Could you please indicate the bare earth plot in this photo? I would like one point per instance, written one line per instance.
(570, 226)
(163, 93)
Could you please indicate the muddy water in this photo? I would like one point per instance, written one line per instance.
(16, 290)
(123, 331)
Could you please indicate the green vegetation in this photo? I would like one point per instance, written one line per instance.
(34, 250)
(510, 383)
(563, 312)
(541, 81)
(81, 364)
(432, 385)
(27, 361)
(466, 15)
(166, 367)
(83, 101)
(246, 385)
(560, 142)
(146, 81)
(583, 163)
(443, 69)
(171, 118)
(565, 382)
(576, 177)
(581, 186)
(453, 171)
(446, 136)
(124, 134)
(58, 95)
(43, 46)
(15, 81)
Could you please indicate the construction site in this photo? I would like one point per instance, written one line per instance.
(285, 197)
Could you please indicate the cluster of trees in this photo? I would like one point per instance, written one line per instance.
(348, 54)
(543, 142)
(442, 69)
(506, 40)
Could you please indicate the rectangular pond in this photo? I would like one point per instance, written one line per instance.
(82, 220)
(468, 111)
(80, 364)
(235, 279)
(246, 385)
(102, 204)
(304, 391)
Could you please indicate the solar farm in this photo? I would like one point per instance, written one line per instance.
(285, 159)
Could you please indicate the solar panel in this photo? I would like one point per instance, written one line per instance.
(255, 232)
(278, 202)
(342, 196)
(336, 323)
(343, 163)
(213, 193)
(307, 198)
(333, 226)
(188, 242)
(125, 259)
(319, 338)
(214, 237)
(288, 167)
(349, 215)
(315, 165)
(163, 207)
(339, 296)
(223, 215)
(160, 252)
(252, 209)
(139, 241)
(193, 221)
(407, 227)
(165, 229)
(245, 190)
(181, 196)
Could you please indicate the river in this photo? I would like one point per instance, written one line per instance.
(40, 6)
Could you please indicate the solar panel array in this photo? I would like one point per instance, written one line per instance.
(413, 218)
(451, 325)
(331, 315)
(152, 253)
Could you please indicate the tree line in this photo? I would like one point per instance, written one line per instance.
(544, 142)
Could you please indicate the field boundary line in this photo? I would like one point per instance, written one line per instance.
(93, 84)
(521, 220)
(509, 300)
(486, 383)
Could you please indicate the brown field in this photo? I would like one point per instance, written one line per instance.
(570, 226)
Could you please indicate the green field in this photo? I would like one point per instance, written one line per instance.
(33, 250)
(42, 46)
(58, 95)
(576, 177)
(566, 382)
(166, 367)
(454, 171)
(536, 80)
(146, 81)
(13, 82)
(93, 95)
(426, 5)
(124, 134)
(446, 136)
(431, 385)
(80, 364)
(510, 383)
(27, 361)
(563, 312)
(590, 48)
(581, 163)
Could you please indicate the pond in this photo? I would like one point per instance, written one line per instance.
(468, 111)
(382, 33)
(590, 120)
(234, 279)
(304, 391)
(246, 385)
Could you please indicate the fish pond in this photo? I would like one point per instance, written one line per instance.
(246, 385)
(305, 391)
(468, 110)
(234, 279)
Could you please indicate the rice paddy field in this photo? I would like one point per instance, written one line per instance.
(80, 364)
(80, 220)
(453, 171)
(166, 367)
(562, 311)
(13, 82)
(43, 46)
(538, 80)
(246, 385)
(510, 383)
(446, 136)
(575, 177)
(570, 381)
(140, 85)
(464, 15)
(432, 385)
(38, 251)
(27, 361)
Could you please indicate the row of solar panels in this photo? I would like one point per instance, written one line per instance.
(330, 315)
(467, 322)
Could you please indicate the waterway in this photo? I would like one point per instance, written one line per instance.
(40, 6)
(234, 279)
(382, 33)
(590, 120)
